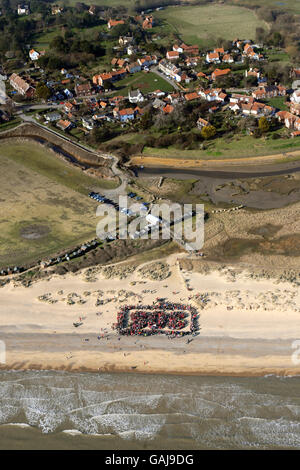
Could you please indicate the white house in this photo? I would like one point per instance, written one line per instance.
(177, 48)
(34, 55)
(130, 50)
(295, 97)
(23, 10)
(135, 96)
(213, 58)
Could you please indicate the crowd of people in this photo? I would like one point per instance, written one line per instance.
(162, 317)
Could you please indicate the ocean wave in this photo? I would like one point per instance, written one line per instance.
(212, 412)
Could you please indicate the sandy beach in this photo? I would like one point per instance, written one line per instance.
(246, 326)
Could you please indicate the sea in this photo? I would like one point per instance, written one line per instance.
(64, 410)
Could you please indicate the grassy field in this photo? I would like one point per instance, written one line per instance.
(104, 3)
(146, 82)
(203, 24)
(292, 6)
(278, 102)
(44, 205)
(242, 146)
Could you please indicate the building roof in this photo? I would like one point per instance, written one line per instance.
(172, 54)
(126, 111)
(168, 109)
(213, 55)
(202, 121)
(63, 124)
(112, 23)
(191, 96)
(220, 73)
(19, 82)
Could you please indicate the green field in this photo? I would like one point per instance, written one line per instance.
(104, 3)
(278, 102)
(204, 24)
(236, 147)
(146, 82)
(44, 204)
(291, 6)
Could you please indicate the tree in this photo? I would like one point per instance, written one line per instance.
(208, 132)
(42, 91)
(58, 43)
(263, 124)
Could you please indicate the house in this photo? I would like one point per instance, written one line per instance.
(88, 123)
(130, 50)
(23, 9)
(56, 10)
(191, 96)
(174, 98)
(202, 75)
(295, 97)
(249, 52)
(52, 117)
(148, 22)
(237, 98)
(177, 48)
(192, 61)
(282, 115)
(118, 62)
(190, 50)
(172, 55)
(215, 94)
(202, 123)
(64, 125)
(218, 73)
(112, 23)
(102, 79)
(158, 104)
(252, 73)
(147, 61)
(227, 59)
(125, 40)
(139, 111)
(290, 121)
(295, 108)
(158, 94)
(68, 107)
(168, 109)
(133, 67)
(84, 89)
(34, 55)
(269, 91)
(170, 70)
(135, 96)
(126, 114)
(68, 93)
(212, 57)
(219, 50)
(21, 86)
(118, 74)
